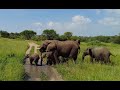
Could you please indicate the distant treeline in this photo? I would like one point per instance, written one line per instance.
(52, 35)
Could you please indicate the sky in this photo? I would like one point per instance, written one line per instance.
(81, 22)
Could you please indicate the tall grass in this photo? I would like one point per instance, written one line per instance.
(11, 59)
(87, 71)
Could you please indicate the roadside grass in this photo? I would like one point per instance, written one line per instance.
(11, 59)
(87, 71)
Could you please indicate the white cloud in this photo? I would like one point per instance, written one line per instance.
(50, 24)
(77, 23)
(37, 24)
(109, 21)
(81, 19)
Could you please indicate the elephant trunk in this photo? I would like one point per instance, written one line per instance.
(83, 56)
(41, 58)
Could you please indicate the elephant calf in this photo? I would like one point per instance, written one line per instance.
(34, 57)
(101, 54)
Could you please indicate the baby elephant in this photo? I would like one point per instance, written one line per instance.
(34, 57)
(101, 54)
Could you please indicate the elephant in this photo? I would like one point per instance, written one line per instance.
(101, 54)
(47, 42)
(66, 49)
(34, 57)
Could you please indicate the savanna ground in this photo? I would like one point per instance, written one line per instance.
(13, 51)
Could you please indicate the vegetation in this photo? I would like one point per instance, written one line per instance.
(13, 47)
(27, 34)
(11, 56)
(92, 72)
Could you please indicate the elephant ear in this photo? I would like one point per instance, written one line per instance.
(90, 51)
(78, 41)
(51, 47)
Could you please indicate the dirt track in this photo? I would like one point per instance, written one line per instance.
(33, 72)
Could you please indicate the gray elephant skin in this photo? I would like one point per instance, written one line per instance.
(66, 49)
(101, 54)
(33, 58)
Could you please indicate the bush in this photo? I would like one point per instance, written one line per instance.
(96, 42)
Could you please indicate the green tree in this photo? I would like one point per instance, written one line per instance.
(27, 34)
(62, 38)
(4, 34)
(50, 34)
(14, 35)
(74, 37)
(68, 35)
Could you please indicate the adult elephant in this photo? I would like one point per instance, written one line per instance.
(101, 54)
(66, 49)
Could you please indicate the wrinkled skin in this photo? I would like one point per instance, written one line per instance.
(34, 57)
(45, 44)
(66, 49)
(101, 54)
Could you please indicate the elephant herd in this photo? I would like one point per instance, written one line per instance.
(54, 49)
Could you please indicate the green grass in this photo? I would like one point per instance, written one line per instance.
(32, 50)
(11, 58)
(43, 76)
(92, 72)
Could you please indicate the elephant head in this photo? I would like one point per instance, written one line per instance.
(26, 56)
(43, 47)
(88, 51)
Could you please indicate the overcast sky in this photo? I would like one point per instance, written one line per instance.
(81, 22)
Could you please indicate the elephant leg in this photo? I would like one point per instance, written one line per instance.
(108, 60)
(56, 57)
(53, 61)
(73, 54)
(36, 61)
(49, 62)
(41, 61)
(31, 61)
(91, 59)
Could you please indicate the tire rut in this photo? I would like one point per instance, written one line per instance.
(33, 72)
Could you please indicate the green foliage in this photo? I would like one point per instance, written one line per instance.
(68, 35)
(62, 38)
(14, 35)
(11, 59)
(87, 71)
(27, 34)
(117, 39)
(74, 38)
(50, 34)
(96, 43)
(4, 34)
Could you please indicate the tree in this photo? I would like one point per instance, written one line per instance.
(27, 34)
(74, 37)
(50, 34)
(4, 34)
(117, 39)
(14, 35)
(62, 38)
(68, 35)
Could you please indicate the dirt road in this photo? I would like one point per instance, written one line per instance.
(33, 73)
